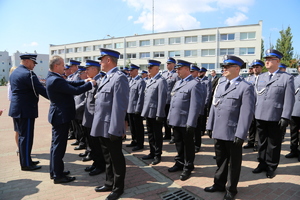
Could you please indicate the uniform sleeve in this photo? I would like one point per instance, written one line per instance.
(38, 87)
(162, 99)
(140, 100)
(289, 98)
(195, 105)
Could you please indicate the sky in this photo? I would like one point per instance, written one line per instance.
(32, 25)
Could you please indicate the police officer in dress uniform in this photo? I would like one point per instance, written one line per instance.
(144, 75)
(184, 112)
(25, 88)
(136, 101)
(228, 123)
(171, 77)
(295, 121)
(282, 67)
(154, 110)
(61, 112)
(257, 66)
(108, 123)
(274, 104)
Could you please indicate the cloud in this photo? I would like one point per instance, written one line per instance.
(32, 44)
(236, 20)
(129, 18)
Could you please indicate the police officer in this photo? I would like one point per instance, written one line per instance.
(257, 66)
(171, 77)
(25, 88)
(274, 105)
(144, 75)
(154, 110)
(136, 101)
(229, 120)
(282, 67)
(184, 112)
(108, 123)
(295, 121)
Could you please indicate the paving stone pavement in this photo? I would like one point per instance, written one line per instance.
(143, 181)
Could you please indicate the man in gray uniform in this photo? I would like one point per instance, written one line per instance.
(295, 121)
(274, 104)
(108, 123)
(154, 110)
(228, 123)
(184, 112)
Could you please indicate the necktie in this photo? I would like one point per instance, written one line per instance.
(181, 82)
(271, 75)
(227, 85)
(103, 79)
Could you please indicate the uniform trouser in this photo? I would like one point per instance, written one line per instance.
(72, 130)
(137, 129)
(115, 163)
(203, 120)
(295, 134)
(58, 149)
(269, 144)
(155, 138)
(25, 128)
(79, 134)
(166, 125)
(198, 137)
(184, 142)
(149, 126)
(229, 161)
(252, 137)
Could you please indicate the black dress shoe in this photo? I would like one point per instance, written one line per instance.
(175, 168)
(103, 188)
(87, 158)
(197, 149)
(114, 195)
(148, 157)
(90, 168)
(83, 154)
(96, 171)
(71, 137)
(185, 175)
(132, 144)
(156, 160)
(248, 146)
(166, 138)
(213, 189)
(35, 162)
(64, 173)
(172, 141)
(75, 143)
(257, 170)
(270, 174)
(80, 147)
(136, 148)
(255, 148)
(64, 179)
(291, 155)
(31, 168)
(229, 196)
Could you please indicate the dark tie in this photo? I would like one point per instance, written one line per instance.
(227, 85)
(181, 82)
(103, 79)
(271, 75)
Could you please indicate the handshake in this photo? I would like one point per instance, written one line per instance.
(91, 80)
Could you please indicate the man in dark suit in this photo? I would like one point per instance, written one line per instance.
(26, 89)
(61, 112)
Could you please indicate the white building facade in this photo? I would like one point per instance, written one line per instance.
(206, 47)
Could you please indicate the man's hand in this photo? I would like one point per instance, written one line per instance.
(209, 133)
(238, 141)
(94, 82)
(283, 123)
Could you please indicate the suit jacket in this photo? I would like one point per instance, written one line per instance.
(214, 84)
(275, 97)
(61, 94)
(24, 88)
(186, 103)
(111, 105)
(136, 95)
(155, 98)
(208, 89)
(171, 78)
(232, 110)
(296, 109)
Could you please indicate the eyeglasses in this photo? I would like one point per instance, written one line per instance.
(270, 59)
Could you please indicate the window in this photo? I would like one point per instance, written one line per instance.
(53, 52)
(247, 51)
(174, 53)
(96, 47)
(87, 48)
(174, 40)
(68, 60)
(87, 58)
(119, 45)
(189, 53)
(144, 43)
(131, 55)
(107, 46)
(131, 44)
(145, 55)
(144, 67)
(208, 52)
(208, 65)
(78, 58)
(191, 39)
(61, 51)
(208, 38)
(95, 58)
(159, 42)
(69, 50)
(77, 49)
(159, 54)
(247, 36)
(121, 56)
(226, 51)
(225, 37)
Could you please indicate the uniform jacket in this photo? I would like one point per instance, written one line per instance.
(79, 105)
(275, 97)
(171, 78)
(136, 95)
(208, 89)
(24, 87)
(185, 103)
(232, 110)
(155, 98)
(74, 77)
(111, 105)
(202, 96)
(61, 94)
(296, 109)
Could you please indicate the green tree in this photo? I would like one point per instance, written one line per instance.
(285, 46)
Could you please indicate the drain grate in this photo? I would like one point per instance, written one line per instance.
(178, 195)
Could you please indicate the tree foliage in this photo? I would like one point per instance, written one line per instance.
(285, 46)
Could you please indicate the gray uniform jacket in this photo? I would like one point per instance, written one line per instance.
(79, 105)
(111, 105)
(296, 109)
(208, 89)
(275, 97)
(136, 95)
(155, 98)
(171, 78)
(185, 103)
(202, 96)
(74, 77)
(232, 110)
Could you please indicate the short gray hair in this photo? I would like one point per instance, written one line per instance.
(55, 60)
